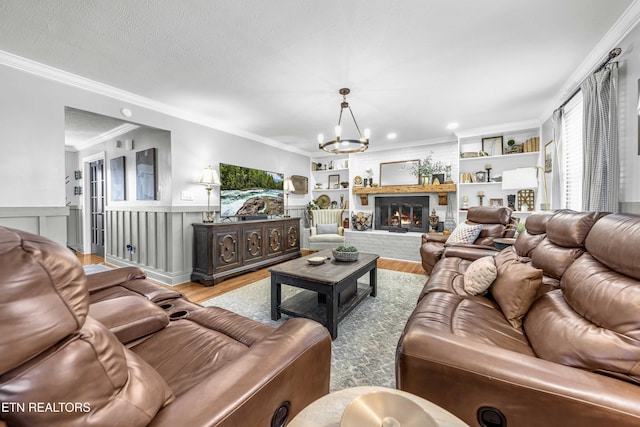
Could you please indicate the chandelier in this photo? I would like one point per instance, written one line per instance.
(340, 145)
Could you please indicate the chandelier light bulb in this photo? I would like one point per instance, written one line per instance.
(367, 133)
(320, 138)
(338, 130)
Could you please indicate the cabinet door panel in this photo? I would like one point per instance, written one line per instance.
(226, 249)
(275, 239)
(253, 244)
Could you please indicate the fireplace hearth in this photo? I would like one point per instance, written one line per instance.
(410, 213)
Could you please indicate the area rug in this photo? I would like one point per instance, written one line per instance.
(95, 268)
(364, 351)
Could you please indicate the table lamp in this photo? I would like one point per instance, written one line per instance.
(287, 186)
(522, 179)
(209, 178)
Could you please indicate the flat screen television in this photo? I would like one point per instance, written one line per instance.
(250, 192)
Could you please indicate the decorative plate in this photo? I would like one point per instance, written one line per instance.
(357, 180)
(317, 260)
(382, 408)
(323, 201)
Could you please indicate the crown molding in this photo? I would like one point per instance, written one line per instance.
(622, 27)
(113, 133)
(531, 124)
(74, 80)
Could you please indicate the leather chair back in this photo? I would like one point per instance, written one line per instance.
(53, 353)
(495, 223)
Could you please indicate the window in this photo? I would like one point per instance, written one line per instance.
(573, 152)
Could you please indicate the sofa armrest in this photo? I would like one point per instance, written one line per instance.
(292, 364)
(113, 277)
(469, 251)
(434, 237)
(526, 389)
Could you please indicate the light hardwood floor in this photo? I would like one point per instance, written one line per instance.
(198, 293)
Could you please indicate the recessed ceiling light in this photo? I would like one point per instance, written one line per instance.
(453, 126)
(392, 135)
(126, 112)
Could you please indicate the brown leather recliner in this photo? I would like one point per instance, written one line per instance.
(496, 222)
(575, 359)
(65, 362)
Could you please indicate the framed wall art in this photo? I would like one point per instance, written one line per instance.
(496, 203)
(334, 182)
(146, 174)
(492, 146)
(548, 157)
(300, 184)
(118, 183)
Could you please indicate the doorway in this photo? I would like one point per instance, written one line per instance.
(96, 206)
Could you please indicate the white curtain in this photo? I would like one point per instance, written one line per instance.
(600, 189)
(557, 164)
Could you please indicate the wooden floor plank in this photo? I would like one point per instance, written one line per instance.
(198, 293)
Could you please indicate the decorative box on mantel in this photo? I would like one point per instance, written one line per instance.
(441, 189)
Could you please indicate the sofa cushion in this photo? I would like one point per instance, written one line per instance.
(554, 259)
(515, 289)
(527, 242)
(327, 228)
(476, 318)
(465, 234)
(480, 275)
(569, 229)
(559, 334)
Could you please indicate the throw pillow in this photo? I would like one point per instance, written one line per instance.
(464, 233)
(515, 289)
(480, 275)
(327, 228)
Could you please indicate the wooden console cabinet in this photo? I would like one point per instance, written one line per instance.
(228, 249)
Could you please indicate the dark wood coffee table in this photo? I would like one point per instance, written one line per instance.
(334, 285)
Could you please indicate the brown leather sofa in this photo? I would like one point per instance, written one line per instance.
(116, 349)
(496, 222)
(575, 359)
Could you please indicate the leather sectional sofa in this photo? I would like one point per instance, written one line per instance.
(572, 358)
(114, 348)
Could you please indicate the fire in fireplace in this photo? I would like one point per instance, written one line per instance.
(410, 213)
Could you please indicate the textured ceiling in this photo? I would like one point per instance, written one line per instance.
(273, 68)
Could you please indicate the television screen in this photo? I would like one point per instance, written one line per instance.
(246, 191)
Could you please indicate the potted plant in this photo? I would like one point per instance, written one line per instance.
(346, 253)
(423, 169)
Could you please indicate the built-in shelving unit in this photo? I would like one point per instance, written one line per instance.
(492, 188)
(324, 181)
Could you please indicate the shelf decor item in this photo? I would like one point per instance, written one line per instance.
(449, 222)
(434, 220)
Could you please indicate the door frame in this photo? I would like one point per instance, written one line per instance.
(86, 200)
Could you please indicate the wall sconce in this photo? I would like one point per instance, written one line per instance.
(77, 191)
(77, 174)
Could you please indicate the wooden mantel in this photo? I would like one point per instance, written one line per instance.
(442, 189)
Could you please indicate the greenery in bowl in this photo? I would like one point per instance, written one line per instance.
(347, 249)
